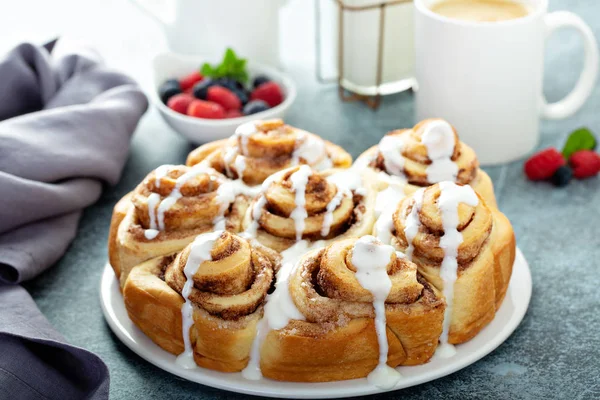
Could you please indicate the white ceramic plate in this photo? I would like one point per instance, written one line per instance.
(507, 319)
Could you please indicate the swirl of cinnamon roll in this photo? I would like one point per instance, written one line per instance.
(474, 226)
(301, 203)
(462, 247)
(204, 300)
(167, 210)
(428, 153)
(359, 294)
(260, 148)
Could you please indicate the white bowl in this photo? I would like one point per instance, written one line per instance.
(199, 130)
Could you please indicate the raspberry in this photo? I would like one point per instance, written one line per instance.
(585, 163)
(205, 109)
(180, 102)
(269, 92)
(190, 80)
(234, 114)
(544, 164)
(224, 97)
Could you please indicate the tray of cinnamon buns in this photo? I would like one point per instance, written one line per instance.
(270, 256)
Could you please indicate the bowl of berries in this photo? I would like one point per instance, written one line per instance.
(205, 102)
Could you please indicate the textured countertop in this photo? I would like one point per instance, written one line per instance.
(553, 354)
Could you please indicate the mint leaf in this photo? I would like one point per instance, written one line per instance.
(230, 67)
(580, 139)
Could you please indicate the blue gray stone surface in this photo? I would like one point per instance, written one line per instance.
(553, 354)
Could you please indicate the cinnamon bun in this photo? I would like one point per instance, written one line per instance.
(258, 149)
(430, 152)
(172, 205)
(463, 247)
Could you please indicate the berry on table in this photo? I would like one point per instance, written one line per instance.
(259, 80)
(543, 164)
(270, 92)
(224, 97)
(562, 176)
(585, 163)
(200, 89)
(169, 89)
(190, 80)
(205, 109)
(255, 106)
(180, 102)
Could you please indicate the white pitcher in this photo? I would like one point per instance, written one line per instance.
(208, 27)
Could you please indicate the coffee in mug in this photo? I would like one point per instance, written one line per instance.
(485, 78)
(480, 10)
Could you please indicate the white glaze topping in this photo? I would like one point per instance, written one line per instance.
(370, 258)
(412, 222)
(438, 137)
(346, 182)
(386, 204)
(244, 132)
(153, 201)
(299, 180)
(160, 173)
(450, 197)
(199, 253)
(312, 150)
(390, 148)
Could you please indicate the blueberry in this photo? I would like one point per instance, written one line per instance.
(169, 89)
(259, 80)
(255, 106)
(201, 88)
(230, 84)
(242, 95)
(562, 176)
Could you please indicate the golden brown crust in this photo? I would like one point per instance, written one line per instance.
(221, 337)
(485, 259)
(267, 151)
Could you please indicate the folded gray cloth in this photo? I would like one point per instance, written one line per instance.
(65, 126)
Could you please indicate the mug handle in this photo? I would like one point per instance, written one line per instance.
(582, 90)
(150, 11)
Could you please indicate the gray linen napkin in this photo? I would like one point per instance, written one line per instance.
(65, 125)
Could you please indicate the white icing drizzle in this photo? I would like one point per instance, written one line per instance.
(346, 182)
(260, 203)
(229, 155)
(280, 308)
(153, 201)
(386, 204)
(450, 197)
(413, 223)
(244, 132)
(240, 166)
(390, 148)
(438, 137)
(312, 150)
(299, 180)
(160, 173)
(370, 258)
(199, 253)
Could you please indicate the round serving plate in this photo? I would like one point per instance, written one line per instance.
(506, 321)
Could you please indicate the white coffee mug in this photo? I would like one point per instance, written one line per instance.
(207, 27)
(485, 78)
